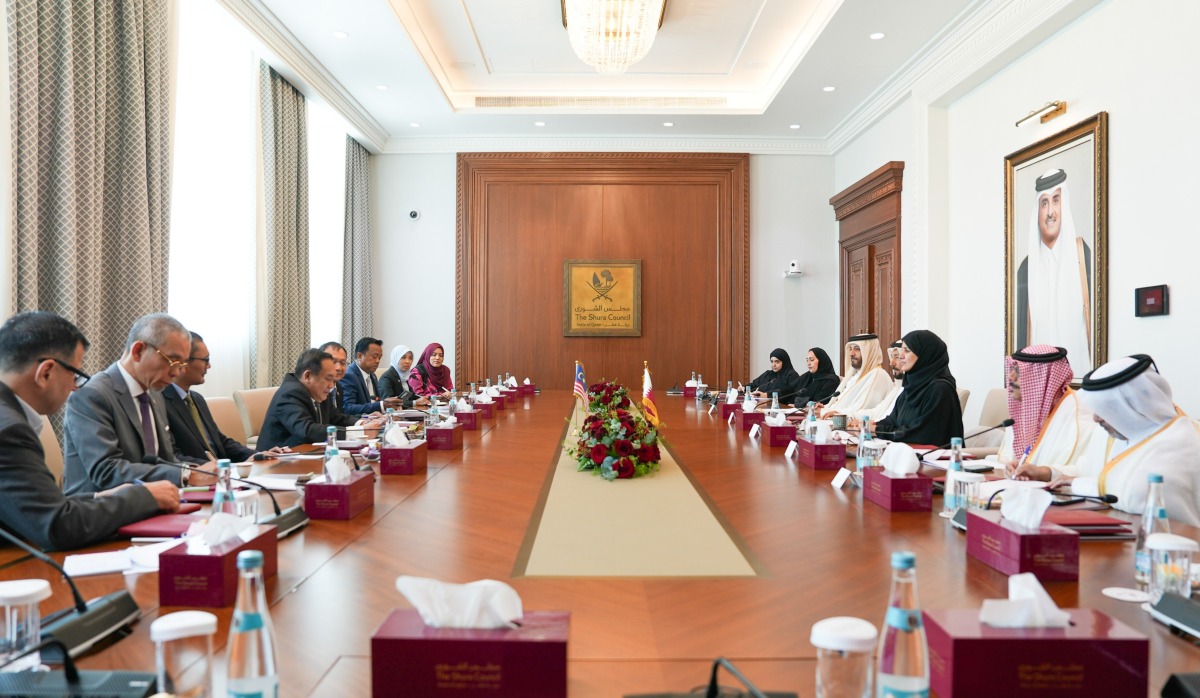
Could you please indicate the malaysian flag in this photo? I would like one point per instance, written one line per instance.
(580, 384)
(648, 395)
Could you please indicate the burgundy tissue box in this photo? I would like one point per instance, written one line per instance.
(728, 409)
(1096, 656)
(909, 493)
(689, 392)
(409, 658)
(1051, 552)
(444, 438)
(340, 500)
(468, 420)
(780, 437)
(403, 460)
(210, 579)
(820, 456)
(527, 390)
(486, 410)
(745, 420)
(501, 401)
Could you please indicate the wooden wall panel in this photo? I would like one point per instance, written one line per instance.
(522, 215)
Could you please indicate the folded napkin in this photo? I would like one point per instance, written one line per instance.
(483, 604)
(1025, 506)
(1028, 605)
(900, 459)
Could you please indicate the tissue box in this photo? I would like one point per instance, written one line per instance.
(909, 493)
(526, 390)
(468, 420)
(501, 401)
(728, 409)
(403, 460)
(780, 437)
(340, 500)
(831, 456)
(487, 411)
(689, 392)
(410, 658)
(1097, 656)
(444, 438)
(210, 579)
(745, 420)
(1051, 552)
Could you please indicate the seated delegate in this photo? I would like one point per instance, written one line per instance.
(780, 378)
(928, 410)
(432, 376)
(819, 382)
(295, 415)
(394, 381)
(1048, 419)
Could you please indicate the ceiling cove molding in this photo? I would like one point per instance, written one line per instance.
(754, 146)
(266, 26)
(964, 53)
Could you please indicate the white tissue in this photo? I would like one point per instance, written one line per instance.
(776, 419)
(511, 382)
(217, 529)
(337, 469)
(395, 436)
(749, 404)
(493, 391)
(689, 384)
(483, 604)
(462, 405)
(731, 397)
(1028, 606)
(1025, 506)
(824, 432)
(484, 398)
(900, 459)
(451, 419)
(527, 382)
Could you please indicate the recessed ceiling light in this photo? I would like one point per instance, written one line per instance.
(539, 123)
(341, 35)
(829, 88)
(668, 123)
(794, 126)
(877, 36)
(381, 87)
(415, 125)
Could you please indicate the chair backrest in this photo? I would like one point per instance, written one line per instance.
(54, 456)
(995, 407)
(963, 394)
(228, 418)
(253, 405)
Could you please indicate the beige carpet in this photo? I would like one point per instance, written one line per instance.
(654, 526)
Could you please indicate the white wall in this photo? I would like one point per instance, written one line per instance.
(890, 138)
(414, 260)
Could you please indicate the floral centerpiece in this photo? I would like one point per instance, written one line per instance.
(614, 442)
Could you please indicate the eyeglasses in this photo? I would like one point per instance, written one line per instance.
(80, 376)
(206, 359)
(171, 363)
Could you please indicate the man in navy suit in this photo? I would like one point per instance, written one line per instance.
(360, 391)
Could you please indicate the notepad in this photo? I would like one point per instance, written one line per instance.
(90, 564)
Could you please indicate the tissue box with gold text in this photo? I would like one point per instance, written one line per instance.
(444, 438)
(486, 410)
(340, 500)
(780, 437)
(728, 409)
(912, 492)
(411, 658)
(1095, 656)
(745, 420)
(468, 420)
(831, 456)
(1051, 552)
(404, 460)
(689, 392)
(524, 390)
(210, 579)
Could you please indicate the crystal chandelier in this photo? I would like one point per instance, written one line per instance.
(612, 35)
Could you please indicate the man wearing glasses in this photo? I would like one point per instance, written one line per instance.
(39, 355)
(116, 425)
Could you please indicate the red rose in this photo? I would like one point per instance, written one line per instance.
(623, 447)
(624, 469)
(597, 429)
(646, 454)
(598, 453)
(624, 402)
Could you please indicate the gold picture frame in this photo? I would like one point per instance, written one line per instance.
(602, 298)
(1058, 186)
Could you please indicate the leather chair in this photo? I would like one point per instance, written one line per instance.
(253, 406)
(228, 418)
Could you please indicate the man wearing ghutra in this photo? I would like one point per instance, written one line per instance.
(1048, 418)
(1054, 281)
(866, 383)
(885, 406)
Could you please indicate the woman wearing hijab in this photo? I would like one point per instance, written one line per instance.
(780, 378)
(820, 380)
(928, 410)
(1048, 420)
(431, 376)
(394, 381)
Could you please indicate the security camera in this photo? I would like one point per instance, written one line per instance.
(794, 266)
(414, 214)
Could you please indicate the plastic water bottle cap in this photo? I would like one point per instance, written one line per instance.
(901, 560)
(1154, 477)
(844, 634)
(249, 559)
(955, 441)
(175, 626)
(24, 591)
(224, 464)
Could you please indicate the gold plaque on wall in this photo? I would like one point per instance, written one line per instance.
(602, 298)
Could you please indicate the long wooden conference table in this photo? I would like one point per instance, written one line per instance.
(821, 552)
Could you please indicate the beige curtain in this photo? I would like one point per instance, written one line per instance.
(356, 264)
(89, 84)
(282, 318)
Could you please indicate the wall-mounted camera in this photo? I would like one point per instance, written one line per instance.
(414, 214)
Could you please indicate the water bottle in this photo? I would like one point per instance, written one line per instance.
(1150, 523)
(250, 659)
(471, 393)
(499, 381)
(451, 408)
(863, 458)
(903, 669)
(488, 384)
(728, 388)
(330, 441)
(435, 417)
(810, 427)
(223, 494)
(950, 494)
(865, 428)
(774, 401)
(693, 378)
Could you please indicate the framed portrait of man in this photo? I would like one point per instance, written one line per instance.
(1056, 244)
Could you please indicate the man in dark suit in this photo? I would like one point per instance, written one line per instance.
(192, 426)
(116, 426)
(359, 387)
(39, 353)
(332, 407)
(295, 415)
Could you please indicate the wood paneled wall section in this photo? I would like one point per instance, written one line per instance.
(521, 215)
(868, 214)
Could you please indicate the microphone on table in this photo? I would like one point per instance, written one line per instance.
(76, 629)
(1002, 425)
(285, 521)
(897, 435)
(72, 682)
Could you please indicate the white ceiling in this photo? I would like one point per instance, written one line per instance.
(764, 62)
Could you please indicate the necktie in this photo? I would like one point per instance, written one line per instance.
(374, 387)
(199, 423)
(148, 437)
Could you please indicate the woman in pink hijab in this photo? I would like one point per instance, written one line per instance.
(432, 376)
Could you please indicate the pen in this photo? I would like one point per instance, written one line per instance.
(1020, 462)
(150, 539)
(194, 489)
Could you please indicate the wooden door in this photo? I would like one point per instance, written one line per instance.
(868, 215)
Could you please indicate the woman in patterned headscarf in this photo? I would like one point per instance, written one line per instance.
(1047, 418)
(432, 376)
